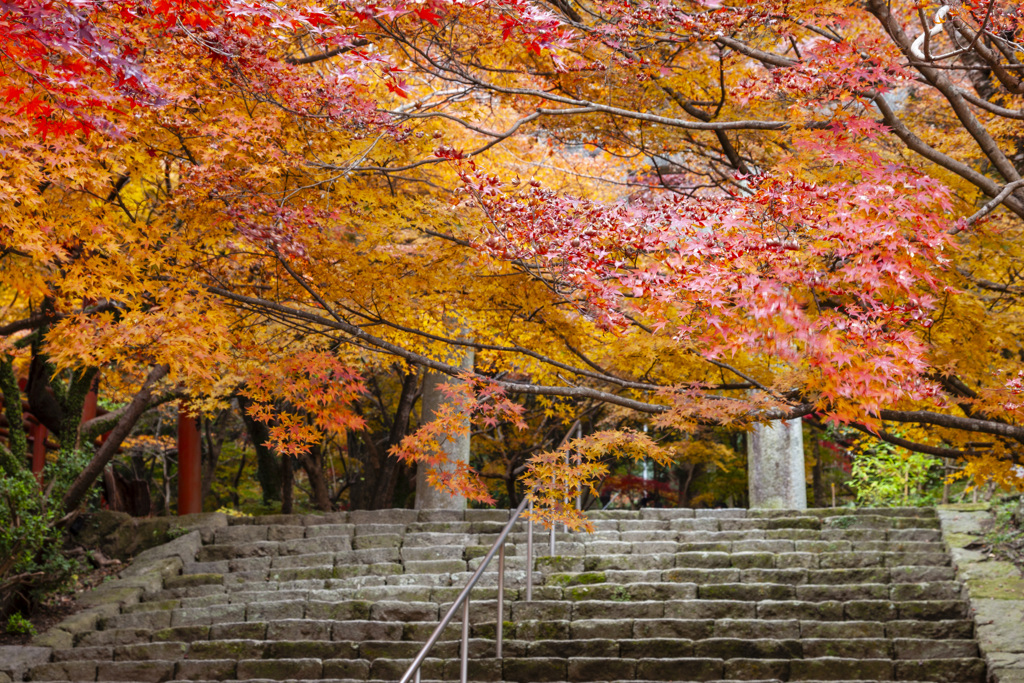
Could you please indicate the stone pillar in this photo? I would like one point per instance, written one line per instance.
(457, 449)
(775, 466)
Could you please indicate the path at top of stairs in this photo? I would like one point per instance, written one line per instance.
(659, 595)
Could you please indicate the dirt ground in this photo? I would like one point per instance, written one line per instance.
(62, 604)
(1006, 540)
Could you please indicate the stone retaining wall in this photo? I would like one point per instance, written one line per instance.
(995, 590)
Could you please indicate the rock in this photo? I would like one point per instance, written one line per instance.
(120, 536)
(190, 580)
(15, 660)
(206, 670)
(1000, 625)
(206, 523)
(54, 638)
(142, 672)
(184, 547)
(1005, 667)
(995, 580)
(81, 622)
(280, 669)
(109, 594)
(975, 522)
(535, 670)
(165, 567)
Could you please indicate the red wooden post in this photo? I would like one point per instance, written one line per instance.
(38, 450)
(189, 479)
(89, 407)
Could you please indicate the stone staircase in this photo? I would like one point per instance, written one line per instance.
(659, 595)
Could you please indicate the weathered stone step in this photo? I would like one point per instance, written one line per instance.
(706, 567)
(714, 530)
(427, 680)
(879, 602)
(718, 570)
(729, 595)
(697, 629)
(704, 554)
(525, 669)
(533, 629)
(267, 556)
(257, 539)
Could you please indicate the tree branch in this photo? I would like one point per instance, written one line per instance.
(937, 451)
(967, 424)
(76, 493)
(312, 59)
(516, 387)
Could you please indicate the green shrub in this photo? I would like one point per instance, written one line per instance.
(20, 626)
(31, 561)
(887, 475)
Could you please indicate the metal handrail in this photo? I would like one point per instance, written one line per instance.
(463, 599)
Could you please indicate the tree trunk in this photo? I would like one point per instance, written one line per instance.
(74, 401)
(374, 486)
(818, 477)
(269, 471)
(76, 493)
(12, 459)
(209, 456)
(313, 464)
(384, 491)
(287, 485)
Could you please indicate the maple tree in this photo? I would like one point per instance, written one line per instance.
(806, 179)
(710, 213)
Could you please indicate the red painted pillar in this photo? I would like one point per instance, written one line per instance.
(190, 485)
(38, 450)
(89, 407)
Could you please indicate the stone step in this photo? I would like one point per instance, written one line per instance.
(676, 584)
(722, 555)
(412, 518)
(729, 529)
(460, 534)
(537, 629)
(649, 647)
(939, 599)
(728, 595)
(555, 666)
(427, 680)
(726, 574)
(698, 564)
(334, 550)
(747, 608)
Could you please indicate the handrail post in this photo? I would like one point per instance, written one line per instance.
(465, 641)
(529, 555)
(551, 537)
(417, 679)
(462, 601)
(501, 602)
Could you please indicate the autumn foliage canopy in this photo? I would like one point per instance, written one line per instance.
(707, 212)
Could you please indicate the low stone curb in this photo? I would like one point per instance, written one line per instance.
(995, 590)
(146, 573)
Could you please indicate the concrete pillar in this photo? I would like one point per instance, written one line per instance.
(457, 449)
(775, 466)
